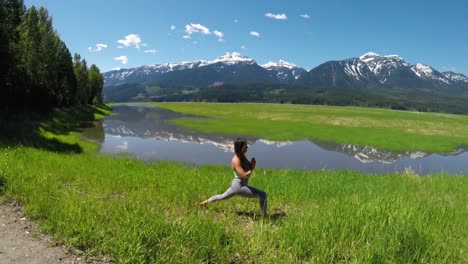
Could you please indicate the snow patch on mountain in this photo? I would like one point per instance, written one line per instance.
(120, 74)
(455, 77)
(383, 66)
(280, 63)
(354, 68)
(232, 58)
(422, 70)
(426, 72)
(368, 56)
(283, 69)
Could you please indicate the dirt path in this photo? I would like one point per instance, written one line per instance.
(21, 241)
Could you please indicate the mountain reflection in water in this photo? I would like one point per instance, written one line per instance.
(147, 133)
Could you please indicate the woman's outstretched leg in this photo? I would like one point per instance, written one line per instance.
(218, 197)
(226, 195)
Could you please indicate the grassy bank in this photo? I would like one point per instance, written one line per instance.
(138, 212)
(381, 128)
(58, 130)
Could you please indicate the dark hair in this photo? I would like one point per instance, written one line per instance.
(238, 145)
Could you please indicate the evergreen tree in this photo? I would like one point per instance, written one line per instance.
(47, 53)
(30, 40)
(11, 16)
(96, 82)
(36, 67)
(66, 76)
(5, 32)
(81, 73)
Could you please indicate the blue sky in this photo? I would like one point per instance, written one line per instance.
(304, 32)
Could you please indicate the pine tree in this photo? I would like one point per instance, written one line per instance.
(96, 82)
(81, 73)
(11, 66)
(36, 67)
(66, 76)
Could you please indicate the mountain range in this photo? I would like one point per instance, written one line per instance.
(230, 68)
(370, 70)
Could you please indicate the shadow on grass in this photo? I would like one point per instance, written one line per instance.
(3, 185)
(274, 217)
(24, 129)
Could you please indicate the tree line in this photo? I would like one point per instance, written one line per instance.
(400, 99)
(37, 71)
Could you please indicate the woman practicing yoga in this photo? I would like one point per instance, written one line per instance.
(239, 185)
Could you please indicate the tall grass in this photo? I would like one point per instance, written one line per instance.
(381, 128)
(143, 213)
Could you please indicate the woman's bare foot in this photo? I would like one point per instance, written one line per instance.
(204, 203)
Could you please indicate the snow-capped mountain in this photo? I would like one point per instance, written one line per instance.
(382, 66)
(455, 77)
(374, 70)
(232, 58)
(146, 73)
(230, 68)
(428, 73)
(283, 71)
(370, 70)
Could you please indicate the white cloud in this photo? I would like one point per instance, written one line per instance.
(150, 51)
(172, 27)
(186, 37)
(243, 47)
(122, 59)
(120, 47)
(306, 16)
(197, 28)
(219, 34)
(254, 33)
(277, 16)
(116, 69)
(144, 44)
(131, 40)
(99, 47)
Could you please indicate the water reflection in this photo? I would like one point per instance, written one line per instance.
(147, 133)
(94, 132)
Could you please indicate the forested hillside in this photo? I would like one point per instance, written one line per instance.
(402, 99)
(37, 71)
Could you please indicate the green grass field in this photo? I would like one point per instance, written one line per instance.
(144, 213)
(137, 212)
(380, 128)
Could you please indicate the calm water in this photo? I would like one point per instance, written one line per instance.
(146, 133)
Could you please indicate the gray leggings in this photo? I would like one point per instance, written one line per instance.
(239, 187)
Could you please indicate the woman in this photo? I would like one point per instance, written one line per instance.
(242, 171)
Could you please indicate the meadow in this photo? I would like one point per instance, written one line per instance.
(139, 212)
(381, 128)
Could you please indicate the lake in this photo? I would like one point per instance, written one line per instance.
(146, 132)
